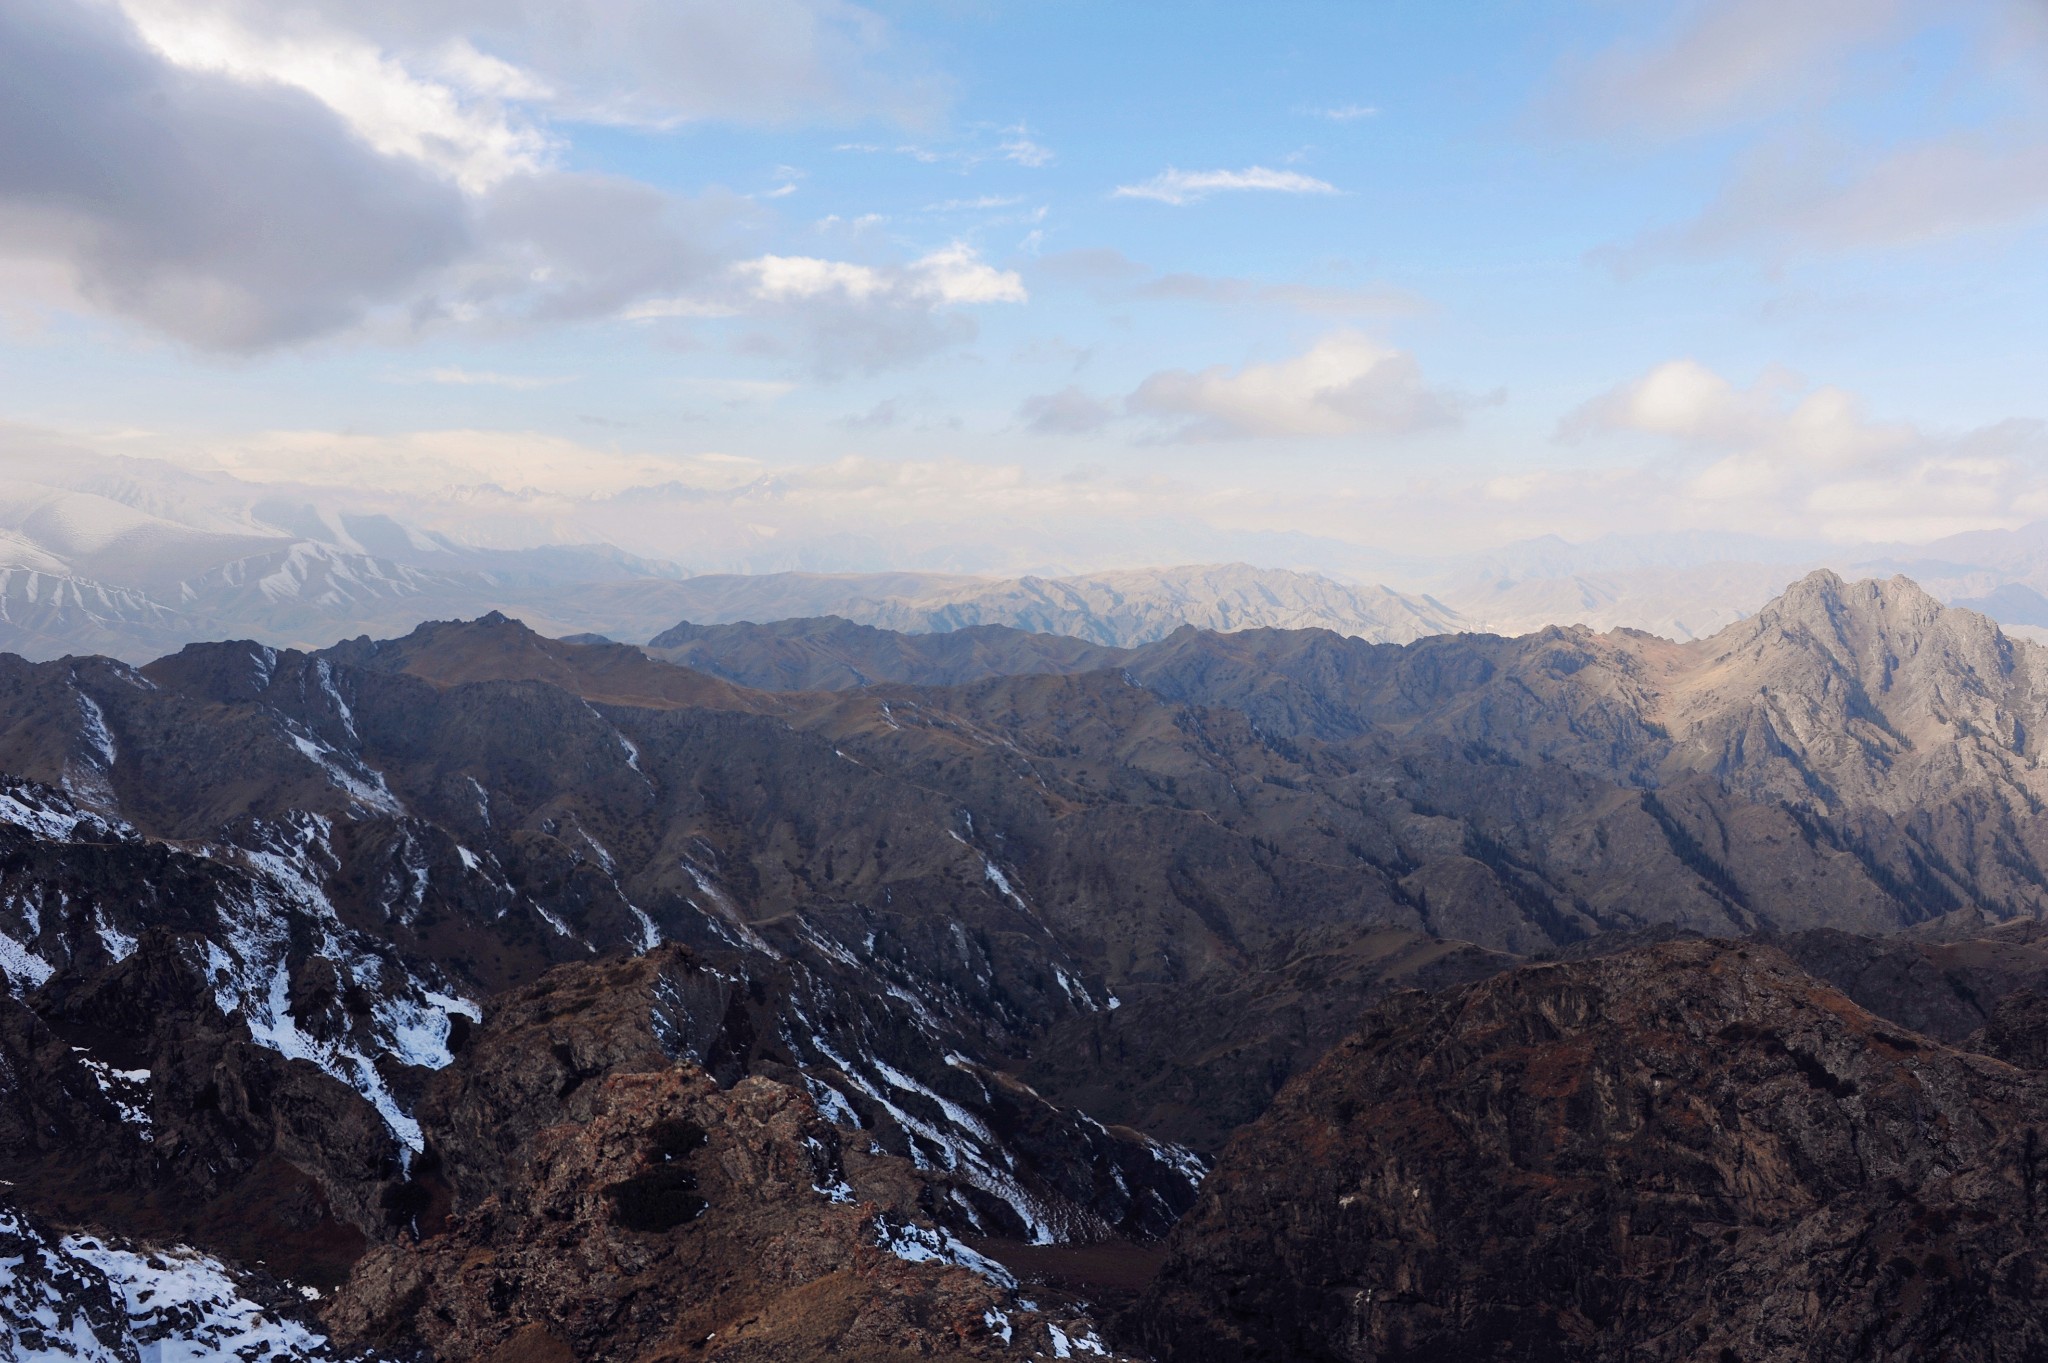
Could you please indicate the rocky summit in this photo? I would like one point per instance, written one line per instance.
(810, 990)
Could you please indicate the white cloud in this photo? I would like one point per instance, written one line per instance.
(951, 276)
(1346, 113)
(957, 275)
(1347, 384)
(1783, 457)
(563, 247)
(780, 279)
(1188, 186)
(846, 315)
(644, 62)
(1681, 398)
(244, 174)
(459, 124)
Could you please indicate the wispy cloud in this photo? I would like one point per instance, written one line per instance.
(1172, 186)
(787, 178)
(486, 378)
(1112, 275)
(1070, 411)
(734, 392)
(1732, 62)
(1013, 144)
(1019, 147)
(986, 201)
(849, 315)
(1344, 113)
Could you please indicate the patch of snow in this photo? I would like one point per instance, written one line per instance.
(325, 676)
(365, 785)
(418, 1030)
(926, 1245)
(94, 723)
(1065, 1345)
(127, 1090)
(1180, 1159)
(832, 1190)
(55, 824)
(120, 945)
(995, 876)
(184, 1307)
(728, 910)
(25, 970)
(650, 935)
(1076, 991)
(832, 1104)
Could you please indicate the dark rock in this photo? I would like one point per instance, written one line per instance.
(1688, 1151)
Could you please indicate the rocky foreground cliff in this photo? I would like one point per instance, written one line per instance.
(1688, 1151)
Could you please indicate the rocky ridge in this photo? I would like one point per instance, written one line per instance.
(1687, 1151)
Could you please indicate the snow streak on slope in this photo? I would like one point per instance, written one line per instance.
(251, 972)
(86, 1299)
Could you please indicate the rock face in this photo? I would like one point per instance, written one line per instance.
(590, 1195)
(1687, 1151)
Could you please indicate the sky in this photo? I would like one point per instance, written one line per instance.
(988, 284)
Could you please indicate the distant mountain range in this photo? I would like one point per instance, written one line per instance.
(133, 558)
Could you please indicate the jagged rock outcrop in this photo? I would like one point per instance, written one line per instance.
(1689, 1151)
(588, 1195)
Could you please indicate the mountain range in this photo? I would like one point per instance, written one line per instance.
(811, 988)
(135, 557)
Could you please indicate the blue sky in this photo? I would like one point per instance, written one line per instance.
(1401, 275)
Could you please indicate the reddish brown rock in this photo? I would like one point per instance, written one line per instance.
(1688, 1151)
(609, 1203)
